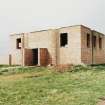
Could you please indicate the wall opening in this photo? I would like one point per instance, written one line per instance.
(100, 43)
(35, 56)
(63, 39)
(94, 41)
(88, 40)
(18, 43)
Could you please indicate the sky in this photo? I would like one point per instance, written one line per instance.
(18, 16)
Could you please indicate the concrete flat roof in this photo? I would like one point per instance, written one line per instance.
(58, 29)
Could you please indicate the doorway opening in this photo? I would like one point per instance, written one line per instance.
(35, 56)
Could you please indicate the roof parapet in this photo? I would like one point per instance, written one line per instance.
(58, 29)
(98, 32)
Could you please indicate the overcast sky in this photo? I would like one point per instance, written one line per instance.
(29, 15)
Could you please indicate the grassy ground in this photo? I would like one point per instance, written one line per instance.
(41, 86)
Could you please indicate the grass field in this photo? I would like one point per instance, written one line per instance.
(42, 86)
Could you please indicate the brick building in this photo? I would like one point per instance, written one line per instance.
(67, 45)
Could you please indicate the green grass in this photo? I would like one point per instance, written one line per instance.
(43, 86)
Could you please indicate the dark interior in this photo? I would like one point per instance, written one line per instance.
(18, 41)
(63, 39)
(35, 56)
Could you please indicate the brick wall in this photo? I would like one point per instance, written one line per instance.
(86, 53)
(44, 39)
(72, 53)
(28, 57)
(76, 52)
(16, 54)
(98, 55)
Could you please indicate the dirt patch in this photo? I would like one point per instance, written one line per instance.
(102, 101)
